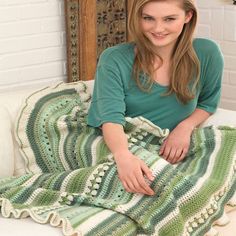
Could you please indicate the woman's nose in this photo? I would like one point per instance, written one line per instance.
(158, 27)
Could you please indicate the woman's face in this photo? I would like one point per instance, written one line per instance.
(162, 22)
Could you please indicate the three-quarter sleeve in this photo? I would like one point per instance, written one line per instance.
(211, 77)
(108, 100)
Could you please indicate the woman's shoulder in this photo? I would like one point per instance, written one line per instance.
(117, 56)
(205, 46)
(123, 49)
(210, 57)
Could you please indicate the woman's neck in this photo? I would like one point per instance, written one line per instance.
(165, 52)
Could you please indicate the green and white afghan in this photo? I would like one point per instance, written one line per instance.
(72, 179)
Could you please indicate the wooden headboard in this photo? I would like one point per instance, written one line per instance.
(92, 26)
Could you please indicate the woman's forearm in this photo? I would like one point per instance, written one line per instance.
(195, 119)
(115, 138)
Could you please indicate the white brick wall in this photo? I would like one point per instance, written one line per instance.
(218, 21)
(33, 51)
(32, 43)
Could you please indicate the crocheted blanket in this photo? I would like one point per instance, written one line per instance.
(72, 179)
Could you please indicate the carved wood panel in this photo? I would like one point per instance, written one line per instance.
(111, 23)
(92, 26)
(72, 38)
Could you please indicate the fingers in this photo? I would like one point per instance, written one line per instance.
(167, 152)
(173, 155)
(182, 156)
(136, 182)
(127, 188)
(145, 188)
(142, 181)
(147, 172)
(140, 185)
(177, 156)
(136, 186)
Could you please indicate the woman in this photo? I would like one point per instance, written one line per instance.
(163, 75)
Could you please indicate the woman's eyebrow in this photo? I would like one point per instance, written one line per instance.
(144, 14)
(174, 15)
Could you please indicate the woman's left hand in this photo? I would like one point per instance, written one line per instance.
(175, 147)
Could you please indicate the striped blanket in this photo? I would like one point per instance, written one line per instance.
(71, 179)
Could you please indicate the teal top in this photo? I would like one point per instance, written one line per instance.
(116, 94)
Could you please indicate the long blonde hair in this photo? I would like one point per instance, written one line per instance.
(185, 66)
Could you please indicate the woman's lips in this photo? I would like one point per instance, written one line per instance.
(159, 36)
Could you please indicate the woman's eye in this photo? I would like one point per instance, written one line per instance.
(169, 19)
(148, 18)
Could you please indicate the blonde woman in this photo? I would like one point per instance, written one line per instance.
(164, 75)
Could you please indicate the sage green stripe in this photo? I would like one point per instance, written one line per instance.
(116, 225)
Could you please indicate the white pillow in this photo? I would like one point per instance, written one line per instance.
(6, 144)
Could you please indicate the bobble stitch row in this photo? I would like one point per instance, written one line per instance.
(67, 199)
(97, 179)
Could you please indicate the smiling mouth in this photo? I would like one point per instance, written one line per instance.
(160, 36)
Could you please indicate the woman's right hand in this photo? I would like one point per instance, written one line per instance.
(131, 171)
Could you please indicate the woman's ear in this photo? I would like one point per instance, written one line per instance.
(188, 16)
